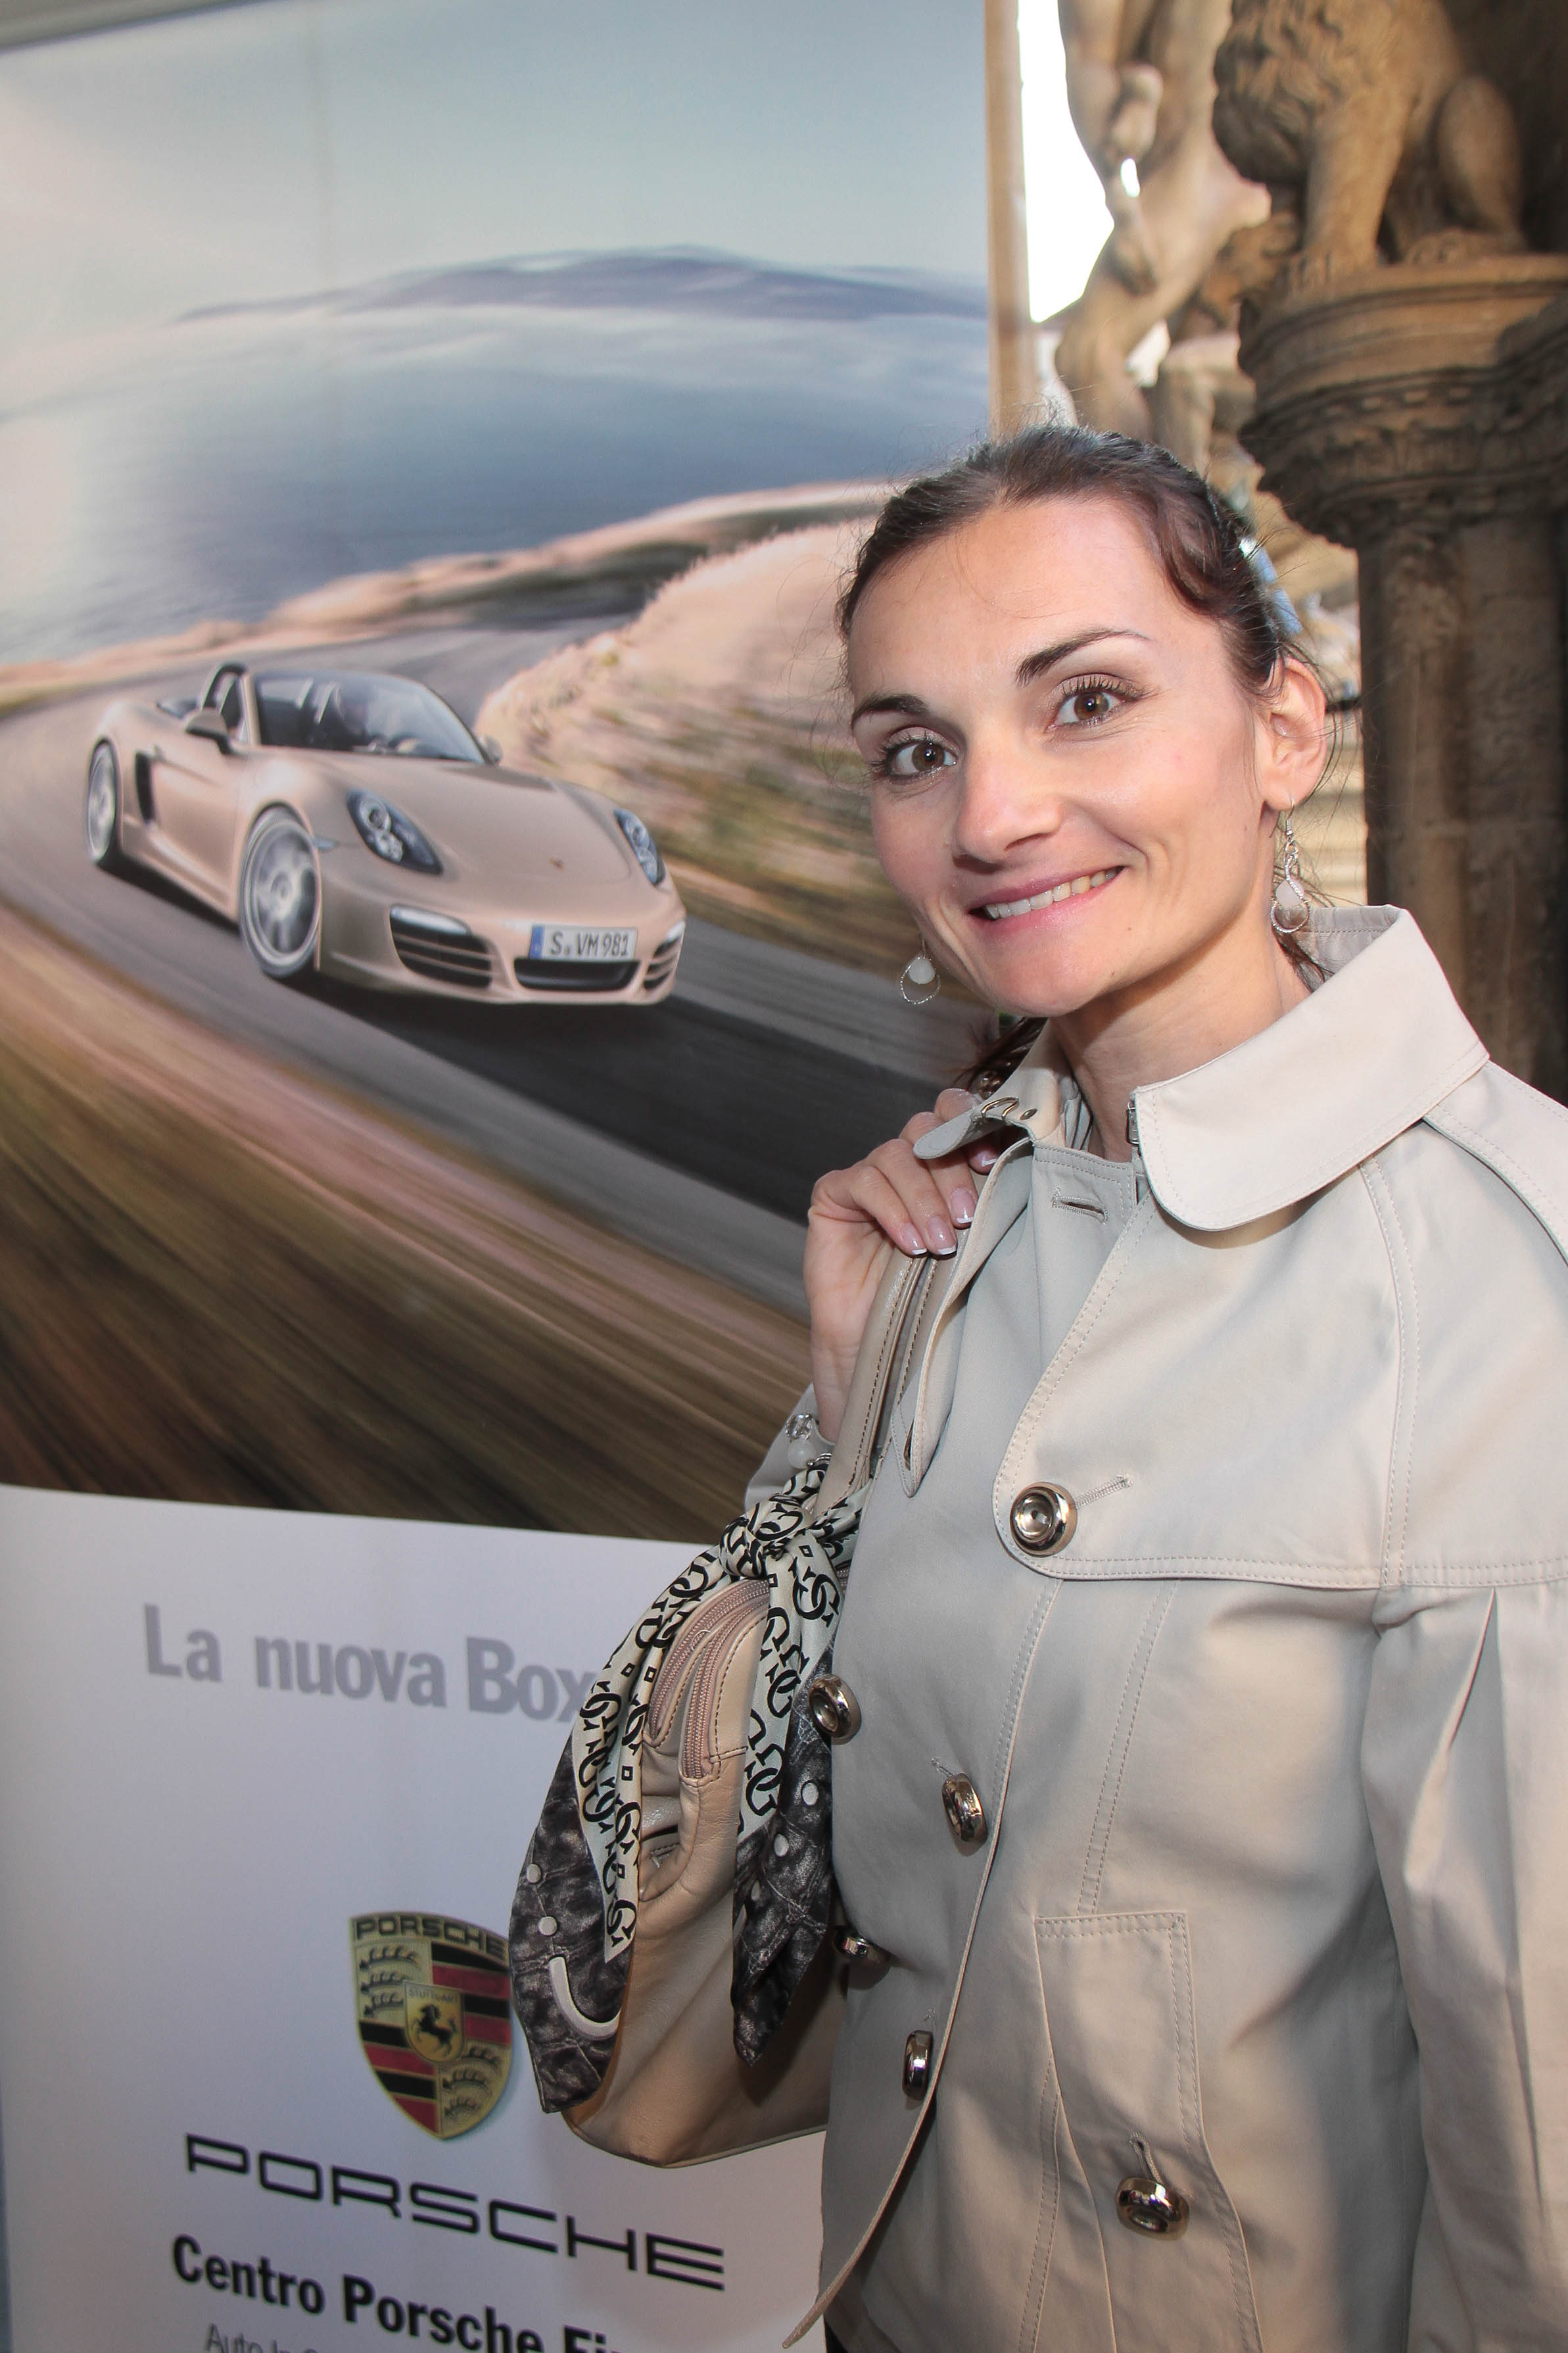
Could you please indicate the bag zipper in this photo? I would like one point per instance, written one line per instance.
(712, 1627)
(698, 1753)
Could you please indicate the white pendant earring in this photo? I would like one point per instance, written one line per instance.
(1291, 913)
(919, 980)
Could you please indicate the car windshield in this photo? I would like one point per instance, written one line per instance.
(355, 711)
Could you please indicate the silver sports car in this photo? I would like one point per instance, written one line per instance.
(350, 824)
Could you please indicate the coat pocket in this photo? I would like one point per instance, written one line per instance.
(1118, 1992)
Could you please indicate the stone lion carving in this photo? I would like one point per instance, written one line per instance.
(1373, 137)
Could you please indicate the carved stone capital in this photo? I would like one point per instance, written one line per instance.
(1533, 359)
(1403, 400)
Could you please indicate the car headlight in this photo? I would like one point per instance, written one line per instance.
(644, 847)
(390, 834)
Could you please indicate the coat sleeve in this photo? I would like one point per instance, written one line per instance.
(1465, 1766)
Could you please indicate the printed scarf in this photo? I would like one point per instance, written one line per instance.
(574, 1916)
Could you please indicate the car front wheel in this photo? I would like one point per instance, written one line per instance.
(103, 812)
(280, 896)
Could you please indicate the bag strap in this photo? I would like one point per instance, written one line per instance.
(901, 1316)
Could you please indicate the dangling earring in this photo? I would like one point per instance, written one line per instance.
(919, 980)
(1290, 912)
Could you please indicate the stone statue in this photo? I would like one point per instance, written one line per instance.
(1140, 87)
(1373, 138)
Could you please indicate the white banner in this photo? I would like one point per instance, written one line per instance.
(265, 1781)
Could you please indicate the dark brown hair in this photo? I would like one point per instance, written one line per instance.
(1197, 538)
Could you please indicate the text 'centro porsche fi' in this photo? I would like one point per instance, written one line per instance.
(352, 826)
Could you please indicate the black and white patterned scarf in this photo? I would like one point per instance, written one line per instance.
(574, 1916)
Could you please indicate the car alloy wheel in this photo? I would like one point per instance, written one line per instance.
(280, 896)
(103, 809)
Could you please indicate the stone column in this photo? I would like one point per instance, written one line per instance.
(1420, 414)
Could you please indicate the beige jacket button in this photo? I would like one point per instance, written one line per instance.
(961, 1802)
(834, 1710)
(1042, 1518)
(1145, 2204)
(916, 2064)
(851, 1946)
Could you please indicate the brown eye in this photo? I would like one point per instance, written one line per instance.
(915, 757)
(1087, 704)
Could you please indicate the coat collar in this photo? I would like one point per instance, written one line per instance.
(1371, 1051)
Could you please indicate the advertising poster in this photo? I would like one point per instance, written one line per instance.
(259, 1783)
(440, 946)
(550, 361)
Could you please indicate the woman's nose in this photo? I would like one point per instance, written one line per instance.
(1002, 803)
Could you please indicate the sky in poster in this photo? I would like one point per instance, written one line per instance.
(301, 143)
(157, 468)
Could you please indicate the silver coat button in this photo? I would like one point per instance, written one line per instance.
(1145, 2204)
(1042, 1518)
(916, 2064)
(851, 1946)
(961, 1804)
(834, 1710)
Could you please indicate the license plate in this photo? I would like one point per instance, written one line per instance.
(575, 944)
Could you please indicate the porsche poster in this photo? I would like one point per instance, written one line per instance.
(440, 946)
(261, 1781)
(430, 444)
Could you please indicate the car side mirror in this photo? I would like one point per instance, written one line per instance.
(210, 723)
(491, 749)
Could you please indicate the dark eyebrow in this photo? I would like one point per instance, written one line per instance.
(1033, 666)
(908, 706)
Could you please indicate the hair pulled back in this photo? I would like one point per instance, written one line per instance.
(1191, 532)
(1195, 535)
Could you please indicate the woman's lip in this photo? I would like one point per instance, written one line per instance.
(1046, 896)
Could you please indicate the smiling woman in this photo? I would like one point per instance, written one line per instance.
(1218, 1534)
(1081, 728)
(1158, 719)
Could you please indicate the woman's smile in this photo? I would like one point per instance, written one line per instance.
(1040, 898)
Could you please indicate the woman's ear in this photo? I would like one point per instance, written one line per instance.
(1293, 735)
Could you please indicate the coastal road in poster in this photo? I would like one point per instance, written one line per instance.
(231, 1744)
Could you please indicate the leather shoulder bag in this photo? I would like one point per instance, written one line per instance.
(671, 1964)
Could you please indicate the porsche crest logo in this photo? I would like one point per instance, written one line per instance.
(433, 2001)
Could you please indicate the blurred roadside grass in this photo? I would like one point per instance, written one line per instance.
(220, 1282)
(720, 715)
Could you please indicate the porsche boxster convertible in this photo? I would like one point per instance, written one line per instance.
(350, 825)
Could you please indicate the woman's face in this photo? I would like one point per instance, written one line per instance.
(1071, 789)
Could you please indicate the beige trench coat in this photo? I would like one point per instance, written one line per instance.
(1272, 1900)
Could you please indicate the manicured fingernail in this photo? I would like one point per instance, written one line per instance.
(985, 1156)
(963, 1206)
(909, 1239)
(940, 1234)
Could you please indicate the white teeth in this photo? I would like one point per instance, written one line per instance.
(1073, 890)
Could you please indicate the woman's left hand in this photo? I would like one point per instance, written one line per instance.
(859, 1218)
